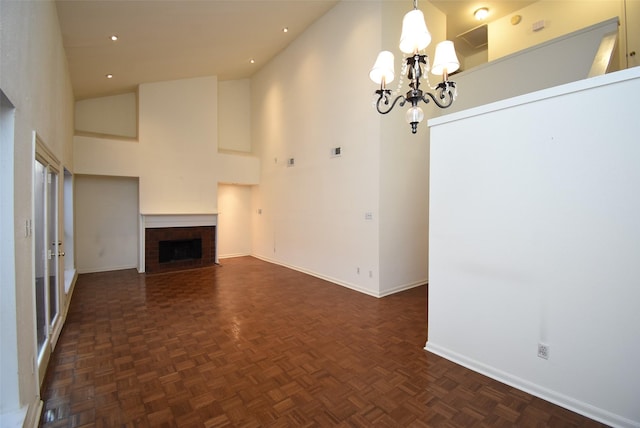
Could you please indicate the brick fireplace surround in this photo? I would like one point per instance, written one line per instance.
(183, 227)
(153, 236)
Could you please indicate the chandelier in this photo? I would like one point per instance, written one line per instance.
(416, 37)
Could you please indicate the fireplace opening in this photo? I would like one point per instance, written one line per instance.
(168, 249)
(179, 249)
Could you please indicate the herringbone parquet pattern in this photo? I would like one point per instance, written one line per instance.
(252, 344)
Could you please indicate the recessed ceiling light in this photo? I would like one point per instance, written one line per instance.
(114, 37)
(481, 13)
(109, 76)
(285, 30)
(252, 61)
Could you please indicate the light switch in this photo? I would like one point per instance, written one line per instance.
(538, 25)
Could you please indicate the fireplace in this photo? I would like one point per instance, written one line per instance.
(175, 250)
(171, 245)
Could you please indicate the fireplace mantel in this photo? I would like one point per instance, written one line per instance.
(179, 220)
(148, 221)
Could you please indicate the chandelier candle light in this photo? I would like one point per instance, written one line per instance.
(416, 37)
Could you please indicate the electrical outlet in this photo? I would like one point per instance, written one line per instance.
(543, 351)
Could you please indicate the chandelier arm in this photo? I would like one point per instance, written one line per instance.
(444, 98)
(385, 100)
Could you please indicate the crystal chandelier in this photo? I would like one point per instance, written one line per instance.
(416, 37)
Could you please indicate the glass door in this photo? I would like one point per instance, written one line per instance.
(47, 253)
(54, 245)
(68, 265)
(40, 260)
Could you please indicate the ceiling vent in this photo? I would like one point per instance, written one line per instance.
(476, 37)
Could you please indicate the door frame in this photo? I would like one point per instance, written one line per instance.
(42, 154)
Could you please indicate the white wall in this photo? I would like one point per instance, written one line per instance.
(534, 237)
(176, 156)
(560, 17)
(179, 144)
(473, 60)
(572, 55)
(106, 212)
(313, 214)
(35, 79)
(103, 156)
(234, 220)
(234, 115)
(114, 115)
(404, 168)
(9, 394)
(632, 33)
(314, 96)
(316, 210)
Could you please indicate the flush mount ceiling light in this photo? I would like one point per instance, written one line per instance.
(481, 14)
(414, 38)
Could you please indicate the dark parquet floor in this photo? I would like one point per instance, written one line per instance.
(252, 344)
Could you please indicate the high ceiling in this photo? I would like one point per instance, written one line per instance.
(172, 39)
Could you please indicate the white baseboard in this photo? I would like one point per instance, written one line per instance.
(539, 391)
(105, 269)
(230, 256)
(404, 287)
(336, 281)
(317, 275)
(70, 275)
(32, 419)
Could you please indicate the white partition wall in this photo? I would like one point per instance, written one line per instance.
(535, 239)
